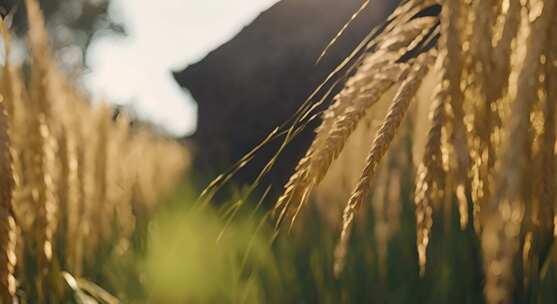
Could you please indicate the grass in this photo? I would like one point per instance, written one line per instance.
(460, 208)
(182, 261)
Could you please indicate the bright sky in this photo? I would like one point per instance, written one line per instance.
(164, 35)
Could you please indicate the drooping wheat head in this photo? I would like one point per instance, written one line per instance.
(376, 74)
(491, 139)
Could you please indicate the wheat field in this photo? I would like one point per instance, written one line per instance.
(431, 178)
(489, 150)
(453, 112)
(73, 179)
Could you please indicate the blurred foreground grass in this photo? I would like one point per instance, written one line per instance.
(195, 254)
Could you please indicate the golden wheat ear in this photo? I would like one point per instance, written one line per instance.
(550, 164)
(381, 144)
(430, 179)
(506, 210)
(378, 72)
(8, 257)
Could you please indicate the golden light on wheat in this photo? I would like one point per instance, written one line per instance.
(75, 179)
(72, 178)
(490, 145)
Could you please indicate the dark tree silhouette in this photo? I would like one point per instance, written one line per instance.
(72, 24)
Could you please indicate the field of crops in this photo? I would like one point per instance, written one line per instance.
(431, 179)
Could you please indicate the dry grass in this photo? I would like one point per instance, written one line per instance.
(491, 140)
(73, 179)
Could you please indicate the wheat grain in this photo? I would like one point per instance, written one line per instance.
(377, 74)
(8, 257)
(430, 178)
(381, 143)
(500, 237)
(452, 31)
(481, 66)
(550, 161)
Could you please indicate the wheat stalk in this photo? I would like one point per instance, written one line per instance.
(8, 257)
(8, 177)
(502, 228)
(429, 184)
(376, 75)
(453, 15)
(381, 143)
(549, 160)
(64, 167)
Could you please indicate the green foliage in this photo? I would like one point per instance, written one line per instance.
(202, 255)
(192, 257)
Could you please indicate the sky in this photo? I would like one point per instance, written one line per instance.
(164, 36)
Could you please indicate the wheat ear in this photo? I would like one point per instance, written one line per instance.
(8, 257)
(430, 178)
(506, 210)
(381, 143)
(376, 75)
(550, 193)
